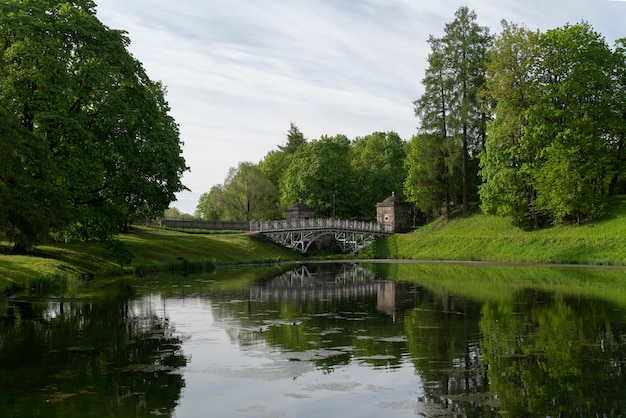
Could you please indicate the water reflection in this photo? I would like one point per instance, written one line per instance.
(81, 358)
(386, 340)
(331, 282)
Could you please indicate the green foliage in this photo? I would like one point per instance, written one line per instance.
(30, 201)
(378, 164)
(320, 176)
(574, 112)
(450, 112)
(107, 141)
(119, 251)
(432, 164)
(551, 149)
(207, 207)
(508, 160)
(246, 195)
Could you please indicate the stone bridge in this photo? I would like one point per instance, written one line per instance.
(299, 234)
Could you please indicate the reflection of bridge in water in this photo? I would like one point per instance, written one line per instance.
(302, 285)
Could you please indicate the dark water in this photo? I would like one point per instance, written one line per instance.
(324, 341)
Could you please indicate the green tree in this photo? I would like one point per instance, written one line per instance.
(72, 83)
(295, 139)
(466, 45)
(617, 141)
(276, 162)
(30, 202)
(378, 167)
(431, 165)
(209, 205)
(246, 195)
(449, 108)
(430, 172)
(320, 176)
(508, 160)
(571, 123)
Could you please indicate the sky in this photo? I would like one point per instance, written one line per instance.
(238, 72)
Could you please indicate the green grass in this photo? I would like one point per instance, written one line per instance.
(154, 250)
(479, 237)
(475, 237)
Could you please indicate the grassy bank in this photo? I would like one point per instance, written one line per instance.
(154, 250)
(480, 237)
(475, 237)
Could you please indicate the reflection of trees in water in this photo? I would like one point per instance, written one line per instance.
(443, 342)
(530, 353)
(538, 355)
(66, 357)
(556, 356)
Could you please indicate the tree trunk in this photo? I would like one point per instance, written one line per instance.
(20, 248)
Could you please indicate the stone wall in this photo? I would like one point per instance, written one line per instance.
(208, 225)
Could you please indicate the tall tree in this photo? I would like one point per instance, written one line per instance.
(449, 108)
(378, 167)
(572, 121)
(508, 160)
(72, 83)
(466, 45)
(428, 183)
(320, 176)
(295, 139)
(246, 195)
(275, 163)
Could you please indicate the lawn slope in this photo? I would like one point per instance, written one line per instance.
(479, 237)
(154, 249)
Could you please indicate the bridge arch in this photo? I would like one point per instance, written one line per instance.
(300, 234)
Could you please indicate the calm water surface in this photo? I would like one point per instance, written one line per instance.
(324, 341)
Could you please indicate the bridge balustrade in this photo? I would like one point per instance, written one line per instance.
(319, 223)
(300, 233)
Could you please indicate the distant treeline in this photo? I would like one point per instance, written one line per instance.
(528, 124)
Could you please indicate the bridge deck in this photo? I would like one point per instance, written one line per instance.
(299, 234)
(310, 224)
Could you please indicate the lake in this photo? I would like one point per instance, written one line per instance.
(324, 340)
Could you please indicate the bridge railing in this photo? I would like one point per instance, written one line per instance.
(315, 223)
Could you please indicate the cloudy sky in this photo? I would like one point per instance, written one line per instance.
(239, 71)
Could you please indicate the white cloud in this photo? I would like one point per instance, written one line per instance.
(239, 71)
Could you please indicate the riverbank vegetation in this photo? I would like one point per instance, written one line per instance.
(475, 237)
(481, 237)
(518, 156)
(152, 250)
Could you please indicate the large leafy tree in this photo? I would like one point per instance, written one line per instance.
(72, 83)
(572, 122)
(320, 176)
(466, 45)
(30, 202)
(378, 167)
(508, 160)
(246, 195)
